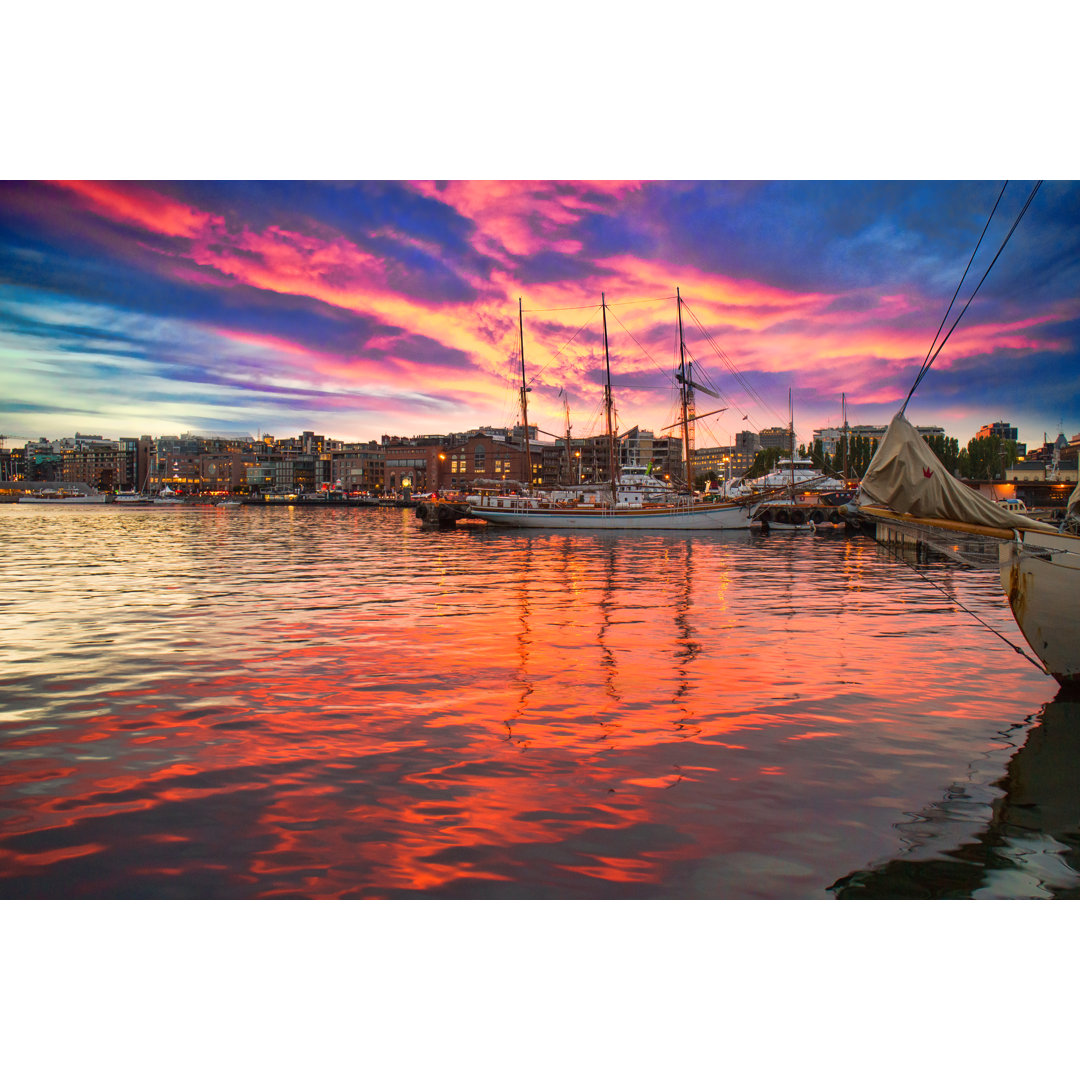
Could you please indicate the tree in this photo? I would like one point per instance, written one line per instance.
(819, 457)
(989, 457)
(764, 460)
(946, 450)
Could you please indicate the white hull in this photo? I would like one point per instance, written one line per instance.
(646, 519)
(1044, 593)
(164, 504)
(66, 500)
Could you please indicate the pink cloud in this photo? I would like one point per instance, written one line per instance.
(524, 217)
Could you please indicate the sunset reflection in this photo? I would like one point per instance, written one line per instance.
(380, 711)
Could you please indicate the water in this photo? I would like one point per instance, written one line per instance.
(256, 702)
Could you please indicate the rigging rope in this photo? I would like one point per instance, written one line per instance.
(928, 363)
(730, 364)
(555, 355)
(611, 304)
(1012, 645)
(925, 363)
(638, 343)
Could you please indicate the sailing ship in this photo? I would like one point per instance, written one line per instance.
(631, 499)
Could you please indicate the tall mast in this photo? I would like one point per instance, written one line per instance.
(609, 409)
(525, 401)
(569, 455)
(684, 400)
(791, 434)
(843, 405)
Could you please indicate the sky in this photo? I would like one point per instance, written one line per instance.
(391, 307)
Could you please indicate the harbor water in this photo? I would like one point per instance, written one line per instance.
(284, 702)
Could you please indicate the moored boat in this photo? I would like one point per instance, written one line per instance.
(74, 494)
(633, 498)
(906, 487)
(532, 513)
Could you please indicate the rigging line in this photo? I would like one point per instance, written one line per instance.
(643, 300)
(968, 611)
(965, 274)
(638, 343)
(566, 344)
(926, 367)
(730, 364)
(702, 376)
(585, 307)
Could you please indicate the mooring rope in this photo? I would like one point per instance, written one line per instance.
(1012, 645)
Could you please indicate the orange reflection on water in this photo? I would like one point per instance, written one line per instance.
(495, 715)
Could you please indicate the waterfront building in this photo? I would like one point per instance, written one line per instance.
(410, 468)
(776, 437)
(831, 436)
(12, 464)
(135, 462)
(357, 467)
(727, 462)
(1001, 428)
(297, 472)
(93, 460)
(490, 459)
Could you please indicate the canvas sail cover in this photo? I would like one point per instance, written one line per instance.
(1073, 509)
(905, 475)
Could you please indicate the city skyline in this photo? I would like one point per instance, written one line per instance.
(358, 310)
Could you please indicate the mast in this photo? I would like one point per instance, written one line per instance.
(685, 402)
(791, 436)
(843, 406)
(569, 455)
(609, 410)
(525, 402)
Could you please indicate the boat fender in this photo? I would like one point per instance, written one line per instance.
(817, 517)
(765, 517)
(834, 517)
(797, 517)
(782, 516)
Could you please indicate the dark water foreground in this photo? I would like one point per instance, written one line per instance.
(284, 703)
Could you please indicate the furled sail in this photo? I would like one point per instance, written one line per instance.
(906, 476)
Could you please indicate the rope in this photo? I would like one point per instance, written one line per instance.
(638, 343)
(566, 344)
(730, 364)
(926, 358)
(1012, 645)
(587, 307)
(927, 364)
